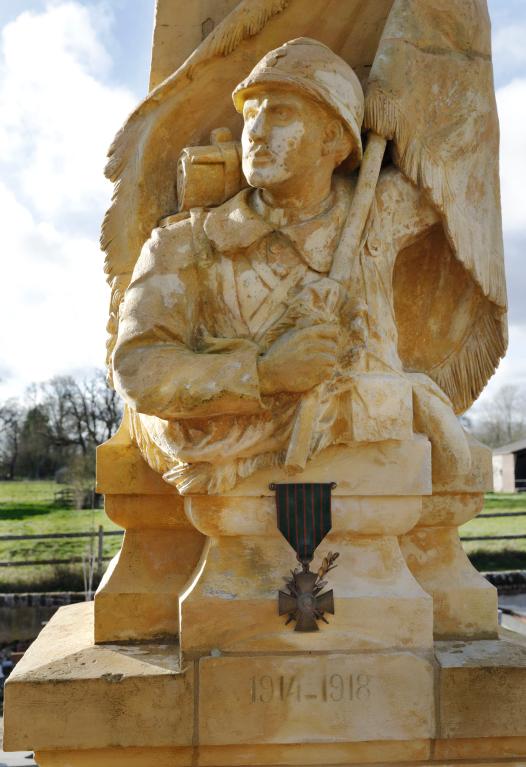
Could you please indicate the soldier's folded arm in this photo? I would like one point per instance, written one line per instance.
(157, 368)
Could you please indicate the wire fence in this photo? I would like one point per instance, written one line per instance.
(99, 557)
(101, 534)
(489, 515)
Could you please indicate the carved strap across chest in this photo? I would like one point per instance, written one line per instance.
(256, 291)
(272, 306)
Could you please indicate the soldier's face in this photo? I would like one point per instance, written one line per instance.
(282, 137)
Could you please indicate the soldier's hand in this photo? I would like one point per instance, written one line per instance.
(299, 360)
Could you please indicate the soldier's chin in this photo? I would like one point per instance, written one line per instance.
(263, 177)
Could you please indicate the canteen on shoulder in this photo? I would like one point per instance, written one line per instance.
(209, 175)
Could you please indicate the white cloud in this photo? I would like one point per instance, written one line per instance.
(511, 102)
(58, 116)
(512, 369)
(508, 45)
(53, 298)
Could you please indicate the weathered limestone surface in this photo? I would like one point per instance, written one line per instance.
(84, 695)
(179, 28)
(138, 596)
(322, 698)
(79, 704)
(482, 688)
(378, 603)
(465, 604)
(293, 304)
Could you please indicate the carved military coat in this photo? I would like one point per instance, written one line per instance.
(208, 297)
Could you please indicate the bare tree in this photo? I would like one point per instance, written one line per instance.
(60, 425)
(38, 456)
(11, 422)
(501, 419)
(82, 412)
(109, 407)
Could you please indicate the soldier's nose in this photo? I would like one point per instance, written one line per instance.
(257, 127)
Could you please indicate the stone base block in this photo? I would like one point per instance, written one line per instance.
(68, 693)
(464, 603)
(234, 604)
(138, 598)
(482, 688)
(471, 753)
(231, 605)
(298, 755)
(78, 704)
(324, 698)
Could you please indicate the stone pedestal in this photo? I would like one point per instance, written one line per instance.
(465, 604)
(378, 603)
(112, 687)
(138, 596)
(135, 704)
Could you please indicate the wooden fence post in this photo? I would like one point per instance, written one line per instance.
(100, 550)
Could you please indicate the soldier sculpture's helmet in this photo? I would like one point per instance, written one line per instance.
(308, 64)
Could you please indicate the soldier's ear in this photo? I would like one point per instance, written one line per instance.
(336, 141)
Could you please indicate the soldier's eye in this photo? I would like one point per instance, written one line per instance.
(282, 113)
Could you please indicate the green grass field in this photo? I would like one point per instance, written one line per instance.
(498, 555)
(27, 508)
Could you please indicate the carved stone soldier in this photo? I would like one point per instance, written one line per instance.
(287, 336)
(232, 323)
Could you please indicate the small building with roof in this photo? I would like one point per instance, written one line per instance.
(509, 467)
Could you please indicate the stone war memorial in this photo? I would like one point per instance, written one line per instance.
(304, 251)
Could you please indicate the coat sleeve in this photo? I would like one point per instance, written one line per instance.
(157, 369)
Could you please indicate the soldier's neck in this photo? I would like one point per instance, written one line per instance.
(285, 206)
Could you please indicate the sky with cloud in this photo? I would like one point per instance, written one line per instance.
(70, 72)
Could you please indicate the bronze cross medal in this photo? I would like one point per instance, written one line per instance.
(304, 518)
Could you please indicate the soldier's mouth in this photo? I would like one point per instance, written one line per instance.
(260, 156)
